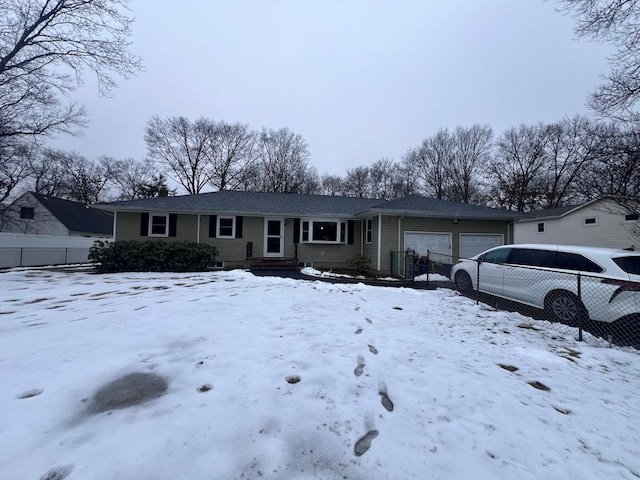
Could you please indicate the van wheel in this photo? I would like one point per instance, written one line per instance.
(564, 307)
(463, 282)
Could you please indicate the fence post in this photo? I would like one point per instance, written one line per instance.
(478, 281)
(427, 269)
(580, 309)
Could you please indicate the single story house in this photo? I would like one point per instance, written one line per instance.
(34, 213)
(323, 231)
(598, 223)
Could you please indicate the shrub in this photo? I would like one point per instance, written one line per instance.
(152, 256)
(361, 264)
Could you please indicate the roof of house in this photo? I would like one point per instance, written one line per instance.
(258, 203)
(77, 217)
(266, 203)
(433, 207)
(558, 212)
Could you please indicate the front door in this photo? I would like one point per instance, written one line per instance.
(273, 237)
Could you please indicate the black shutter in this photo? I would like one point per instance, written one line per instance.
(238, 227)
(296, 230)
(213, 220)
(350, 231)
(144, 224)
(173, 224)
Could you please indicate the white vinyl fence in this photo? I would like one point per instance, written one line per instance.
(24, 250)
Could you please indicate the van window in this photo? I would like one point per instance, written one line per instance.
(533, 257)
(629, 264)
(496, 256)
(574, 261)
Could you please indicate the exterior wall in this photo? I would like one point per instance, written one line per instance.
(610, 231)
(331, 255)
(233, 251)
(128, 228)
(43, 222)
(390, 242)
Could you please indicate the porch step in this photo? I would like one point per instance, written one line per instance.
(273, 264)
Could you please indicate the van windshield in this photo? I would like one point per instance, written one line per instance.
(629, 264)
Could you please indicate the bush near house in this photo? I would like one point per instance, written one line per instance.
(150, 256)
(360, 263)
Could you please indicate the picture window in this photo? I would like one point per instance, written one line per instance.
(323, 231)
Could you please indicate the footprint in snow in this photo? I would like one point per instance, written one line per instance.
(358, 370)
(364, 443)
(58, 473)
(373, 349)
(359, 331)
(386, 401)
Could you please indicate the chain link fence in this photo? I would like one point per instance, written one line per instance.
(574, 302)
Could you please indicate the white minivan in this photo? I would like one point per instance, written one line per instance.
(546, 277)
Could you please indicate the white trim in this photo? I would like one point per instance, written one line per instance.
(624, 217)
(544, 227)
(339, 222)
(198, 230)
(366, 230)
(233, 226)
(379, 241)
(115, 223)
(590, 224)
(279, 254)
(166, 225)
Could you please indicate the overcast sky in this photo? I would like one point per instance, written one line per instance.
(358, 79)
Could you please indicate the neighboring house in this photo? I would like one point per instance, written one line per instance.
(33, 213)
(598, 223)
(324, 231)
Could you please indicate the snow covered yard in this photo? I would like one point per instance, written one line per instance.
(285, 379)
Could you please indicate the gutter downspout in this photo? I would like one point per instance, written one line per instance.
(379, 241)
(198, 230)
(115, 224)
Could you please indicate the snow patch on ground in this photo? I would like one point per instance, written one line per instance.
(282, 379)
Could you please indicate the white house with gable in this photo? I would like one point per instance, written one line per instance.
(598, 223)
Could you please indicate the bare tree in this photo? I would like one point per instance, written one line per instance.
(15, 158)
(472, 149)
(571, 150)
(233, 151)
(133, 179)
(182, 150)
(430, 163)
(284, 163)
(331, 185)
(520, 158)
(357, 183)
(614, 21)
(45, 47)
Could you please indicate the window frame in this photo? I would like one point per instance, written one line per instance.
(27, 213)
(368, 236)
(587, 223)
(219, 226)
(630, 220)
(307, 231)
(542, 227)
(166, 224)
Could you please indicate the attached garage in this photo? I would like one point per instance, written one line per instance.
(474, 243)
(433, 242)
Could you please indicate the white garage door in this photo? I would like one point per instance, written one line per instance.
(474, 243)
(434, 243)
